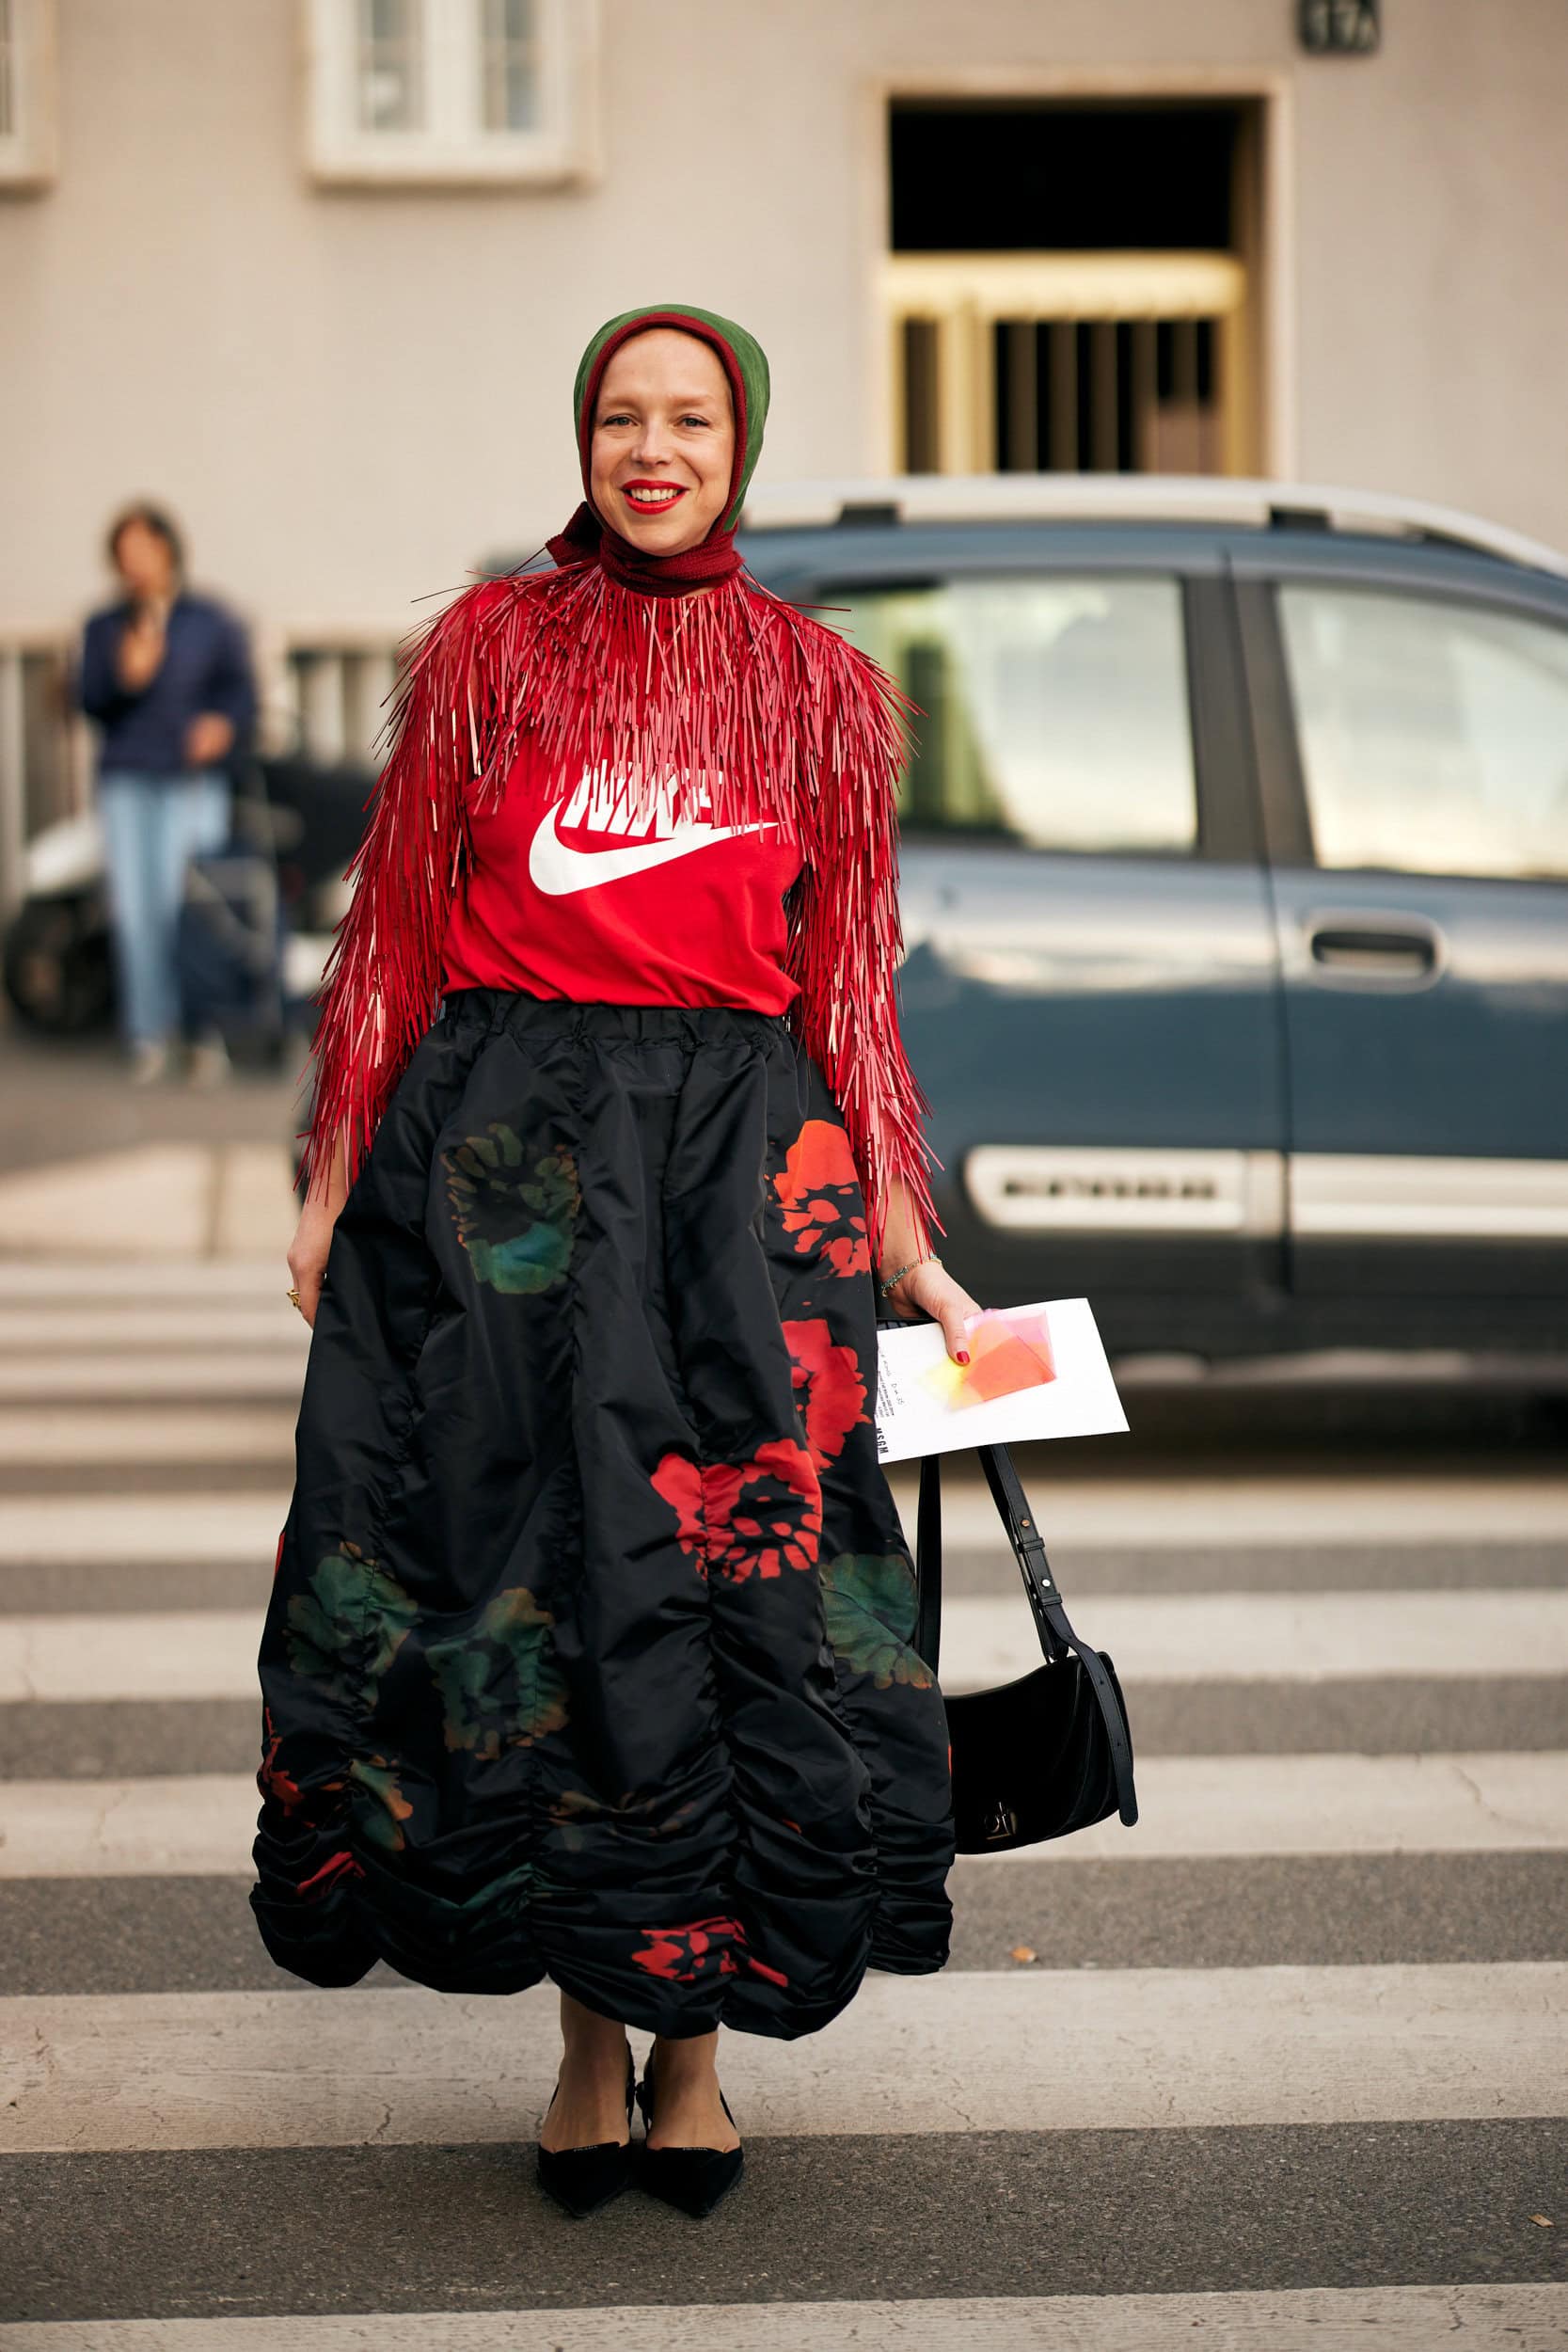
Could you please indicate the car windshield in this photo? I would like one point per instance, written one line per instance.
(1055, 708)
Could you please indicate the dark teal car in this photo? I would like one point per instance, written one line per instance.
(1235, 896)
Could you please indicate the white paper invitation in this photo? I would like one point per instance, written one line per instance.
(1034, 1372)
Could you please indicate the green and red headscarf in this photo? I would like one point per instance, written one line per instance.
(589, 536)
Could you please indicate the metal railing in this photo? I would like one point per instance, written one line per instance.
(334, 694)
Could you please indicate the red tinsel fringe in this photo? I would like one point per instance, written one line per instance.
(734, 691)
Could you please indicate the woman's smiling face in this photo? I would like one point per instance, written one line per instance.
(663, 445)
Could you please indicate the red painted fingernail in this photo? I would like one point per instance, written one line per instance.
(963, 1358)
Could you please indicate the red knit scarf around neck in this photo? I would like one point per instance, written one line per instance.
(588, 538)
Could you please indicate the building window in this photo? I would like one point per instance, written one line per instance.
(389, 67)
(26, 93)
(487, 93)
(509, 86)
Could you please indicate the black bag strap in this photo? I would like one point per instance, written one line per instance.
(928, 1562)
(1052, 1623)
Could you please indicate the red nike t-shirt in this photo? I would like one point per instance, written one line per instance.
(568, 898)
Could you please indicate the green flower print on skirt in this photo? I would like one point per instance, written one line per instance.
(382, 1808)
(870, 1604)
(348, 1627)
(515, 1222)
(500, 1685)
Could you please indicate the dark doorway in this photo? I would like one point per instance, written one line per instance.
(1063, 179)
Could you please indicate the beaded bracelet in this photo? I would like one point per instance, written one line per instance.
(893, 1279)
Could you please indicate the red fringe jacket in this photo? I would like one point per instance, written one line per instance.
(775, 713)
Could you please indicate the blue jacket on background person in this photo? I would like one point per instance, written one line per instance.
(206, 667)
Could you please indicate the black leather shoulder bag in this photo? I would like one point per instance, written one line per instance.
(1052, 1752)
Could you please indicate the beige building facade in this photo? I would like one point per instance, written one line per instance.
(317, 272)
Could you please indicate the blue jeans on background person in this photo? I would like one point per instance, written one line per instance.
(153, 828)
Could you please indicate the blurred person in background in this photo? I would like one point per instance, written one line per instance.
(588, 1651)
(166, 676)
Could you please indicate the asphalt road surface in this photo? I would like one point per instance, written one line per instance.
(1283, 2067)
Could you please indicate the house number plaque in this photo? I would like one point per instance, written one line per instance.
(1344, 28)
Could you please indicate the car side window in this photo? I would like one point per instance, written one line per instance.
(1434, 735)
(1055, 709)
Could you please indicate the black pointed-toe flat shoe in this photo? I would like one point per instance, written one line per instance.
(583, 2179)
(694, 2179)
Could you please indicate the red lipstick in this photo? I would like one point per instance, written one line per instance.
(674, 493)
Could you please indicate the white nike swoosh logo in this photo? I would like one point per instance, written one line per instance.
(557, 870)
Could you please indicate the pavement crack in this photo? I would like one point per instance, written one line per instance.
(103, 1812)
(1483, 1804)
(47, 2059)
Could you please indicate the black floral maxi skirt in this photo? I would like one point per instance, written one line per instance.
(590, 1649)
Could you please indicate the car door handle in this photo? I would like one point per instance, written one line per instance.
(1377, 950)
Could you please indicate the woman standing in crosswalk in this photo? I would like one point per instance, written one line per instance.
(589, 1653)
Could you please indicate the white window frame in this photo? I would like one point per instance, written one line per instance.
(452, 148)
(28, 151)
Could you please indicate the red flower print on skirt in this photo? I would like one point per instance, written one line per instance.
(743, 1519)
(338, 1866)
(271, 1779)
(818, 1189)
(704, 1947)
(834, 1397)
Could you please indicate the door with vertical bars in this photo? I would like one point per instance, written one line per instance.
(1068, 362)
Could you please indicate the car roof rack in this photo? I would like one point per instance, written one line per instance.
(1257, 504)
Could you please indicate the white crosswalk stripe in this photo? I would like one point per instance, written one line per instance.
(131, 1436)
(1230, 1637)
(215, 1283)
(1304, 2319)
(88, 1380)
(114, 1328)
(1190, 1807)
(132, 1530)
(148, 1374)
(1158, 2049)
(1163, 1514)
